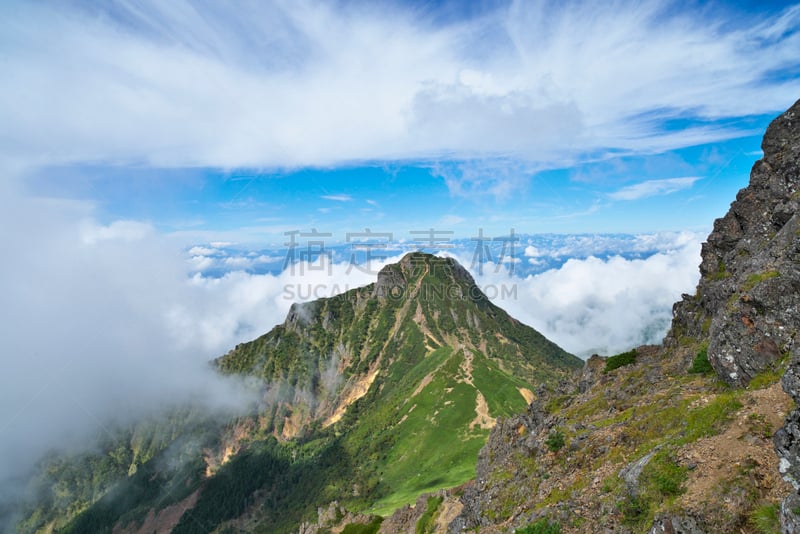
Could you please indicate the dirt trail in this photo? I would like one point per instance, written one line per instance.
(526, 394)
(162, 522)
(743, 446)
(358, 390)
(482, 419)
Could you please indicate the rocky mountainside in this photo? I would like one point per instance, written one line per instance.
(369, 399)
(746, 302)
(329, 353)
(676, 438)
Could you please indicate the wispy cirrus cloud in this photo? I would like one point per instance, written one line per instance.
(651, 188)
(338, 198)
(307, 83)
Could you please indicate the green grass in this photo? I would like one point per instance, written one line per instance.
(541, 526)
(754, 279)
(620, 360)
(661, 481)
(364, 528)
(425, 523)
(433, 447)
(770, 375)
(665, 476)
(635, 510)
(701, 365)
(722, 272)
(555, 441)
(764, 519)
(707, 420)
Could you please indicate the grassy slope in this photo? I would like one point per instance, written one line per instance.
(434, 447)
(714, 456)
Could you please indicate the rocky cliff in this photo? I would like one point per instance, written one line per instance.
(747, 299)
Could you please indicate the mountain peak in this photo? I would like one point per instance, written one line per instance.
(394, 365)
(417, 306)
(394, 280)
(780, 139)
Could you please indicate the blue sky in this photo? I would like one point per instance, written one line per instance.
(240, 123)
(680, 189)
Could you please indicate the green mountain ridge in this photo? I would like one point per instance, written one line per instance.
(369, 399)
(417, 306)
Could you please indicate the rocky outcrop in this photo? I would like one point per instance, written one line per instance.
(630, 473)
(408, 519)
(334, 517)
(591, 372)
(393, 279)
(675, 525)
(746, 301)
(787, 446)
(790, 520)
(520, 435)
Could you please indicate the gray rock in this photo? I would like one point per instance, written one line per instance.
(631, 472)
(790, 520)
(517, 435)
(787, 447)
(391, 282)
(747, 302)
(747, 299)
(591, 372)
(675, 525)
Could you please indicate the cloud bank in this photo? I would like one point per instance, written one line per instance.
(602, 306)
(315, 83)
(595, 306)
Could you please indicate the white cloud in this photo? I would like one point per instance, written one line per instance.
(237, 262)
(118, 230)
(338, 198)
(114, 327)
(603, 245)
(651, 188)
(532, 252)
(201, 263)
(605, 306)
(307, 83)
(198, 250)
